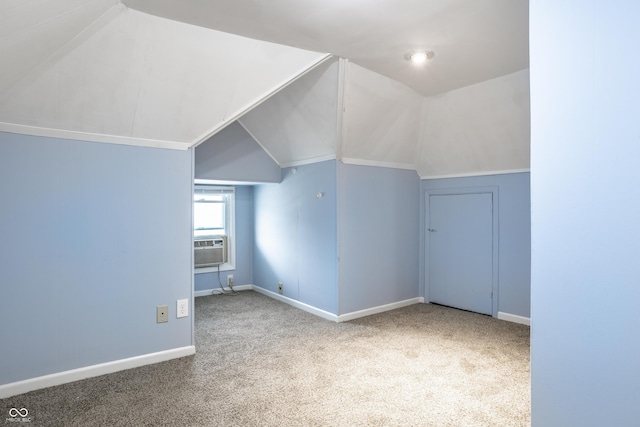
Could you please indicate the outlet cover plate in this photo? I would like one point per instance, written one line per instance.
(162, 313)
(182, 308)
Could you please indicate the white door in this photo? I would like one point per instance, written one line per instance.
(460, 234)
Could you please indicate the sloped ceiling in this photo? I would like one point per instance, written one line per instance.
(479, 129)
(129, 77)
(382, 120)
(96, 70)
(31, 31)
(299, 124)
(473, 40)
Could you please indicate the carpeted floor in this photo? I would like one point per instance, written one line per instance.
(260, 362)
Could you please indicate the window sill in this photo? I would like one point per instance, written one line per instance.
(223, 267)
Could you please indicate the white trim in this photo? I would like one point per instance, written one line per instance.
(514, 318)
(91, 137)
(227, 266)
(341, 104)
(297, 304)
(209, 292)
(379, 309)
(192, 187)
(230, 216)
(363, 162)
(234, 183)
(254, 103)
(309, 161)
(25, 386)
(470, 174)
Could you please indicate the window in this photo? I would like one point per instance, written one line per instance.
(213, 215)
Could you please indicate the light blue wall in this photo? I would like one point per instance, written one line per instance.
(243, 273)
(514, 231)
(378, 217)
(585, 299)
(233, 155)
(92, 238)
(295, 235)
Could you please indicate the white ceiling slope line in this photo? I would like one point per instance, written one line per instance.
(250, 105)
(298, 124)
(32, 31)
(340, 106)
(258, 142)
(143, 80)
(382, 119)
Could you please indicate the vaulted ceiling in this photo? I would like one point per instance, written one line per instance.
(170, 74)
(113, 74)
(473, 40)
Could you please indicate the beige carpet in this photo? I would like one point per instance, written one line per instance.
(260, 362)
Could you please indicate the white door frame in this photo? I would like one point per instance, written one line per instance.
(496, 235)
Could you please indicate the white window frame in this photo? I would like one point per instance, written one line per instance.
(230, 219)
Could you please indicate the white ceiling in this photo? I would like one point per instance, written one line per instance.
(476, 130)
(299, 123)
(99, 71)
(473, 40)
(382, 120)
(102, 70)
(30, 32)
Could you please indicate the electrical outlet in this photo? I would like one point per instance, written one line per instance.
(230, 280)
(182, 308)
(280, 288)
(162, 313)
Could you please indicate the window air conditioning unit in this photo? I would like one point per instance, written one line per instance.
(210, 252)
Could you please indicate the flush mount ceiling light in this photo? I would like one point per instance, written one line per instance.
(418, 56)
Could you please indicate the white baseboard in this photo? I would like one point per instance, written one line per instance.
(207, 292)
(25, 386)
(379, 309)
(302, 306)
(514, 318)
(321, 313)
(353, 315)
